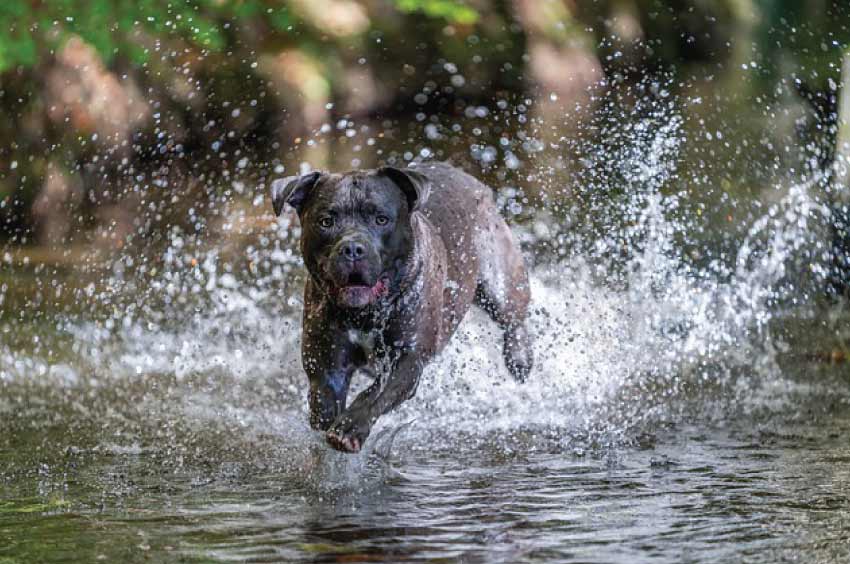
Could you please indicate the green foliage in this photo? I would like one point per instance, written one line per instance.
(31, 30)
(450, 10)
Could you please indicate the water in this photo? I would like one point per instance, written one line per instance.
(159, 478)
(690, 400)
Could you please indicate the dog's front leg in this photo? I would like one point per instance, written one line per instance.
(329, 358)
(352, 427)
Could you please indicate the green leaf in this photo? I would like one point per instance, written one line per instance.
(450, 10)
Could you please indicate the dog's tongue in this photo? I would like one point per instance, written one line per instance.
(379, 288)
(361, 295)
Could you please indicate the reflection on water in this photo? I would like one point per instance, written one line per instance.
(130, 483)
(681, 408)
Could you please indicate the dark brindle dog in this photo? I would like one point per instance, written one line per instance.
(395, 258)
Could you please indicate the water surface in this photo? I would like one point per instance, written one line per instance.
(690, 401)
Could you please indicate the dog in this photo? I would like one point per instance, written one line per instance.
(395, 258)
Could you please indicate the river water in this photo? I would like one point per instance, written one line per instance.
(690, 401)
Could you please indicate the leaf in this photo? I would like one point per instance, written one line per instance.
(450, 10)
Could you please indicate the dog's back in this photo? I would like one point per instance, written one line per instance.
(458, 207)
(485, 265)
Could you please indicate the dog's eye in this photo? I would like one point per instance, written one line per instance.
(382, 220)
(326, 222)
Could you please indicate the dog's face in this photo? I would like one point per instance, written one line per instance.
(356, 231)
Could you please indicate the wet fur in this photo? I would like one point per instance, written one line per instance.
(449, 249)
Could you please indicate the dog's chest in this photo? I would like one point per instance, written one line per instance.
(374, 357)
(364, 339)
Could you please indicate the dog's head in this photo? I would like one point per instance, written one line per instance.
(356, 231)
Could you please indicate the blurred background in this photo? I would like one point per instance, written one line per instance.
(125, 123)
(676, 172)
(650, 141)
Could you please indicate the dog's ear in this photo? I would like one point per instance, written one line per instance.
(292, 190)
(415, 186)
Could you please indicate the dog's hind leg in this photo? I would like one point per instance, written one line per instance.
(503, 292)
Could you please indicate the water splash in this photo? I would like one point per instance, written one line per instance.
(624, 321)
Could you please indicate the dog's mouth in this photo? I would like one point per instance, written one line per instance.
(356, 279)
(358, 292)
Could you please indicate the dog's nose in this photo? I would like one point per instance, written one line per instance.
(352, 250)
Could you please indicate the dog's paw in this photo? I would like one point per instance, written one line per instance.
(347, 434)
